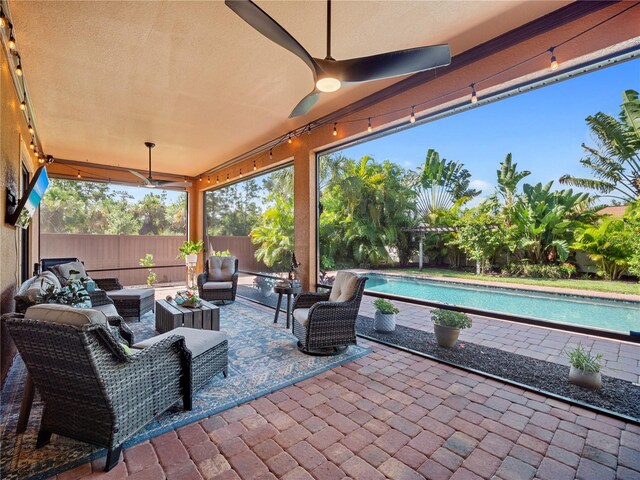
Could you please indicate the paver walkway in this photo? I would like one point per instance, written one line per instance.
(620, 359)
(395, 415)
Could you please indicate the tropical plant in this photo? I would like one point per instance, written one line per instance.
(632, 221)
(366, 211)
(615, 162)
(274, 233)
(508, 178)
(544, 222)
(440, 183)
(583, 360)
(220, 253)
(450, 318)
(190, 248)
(148, 262)
(478, 235)
(609, 243)
(385, 306)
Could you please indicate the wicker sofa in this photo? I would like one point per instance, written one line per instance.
(129, 302)
(92, 389)
(325, 323)
(219, 280)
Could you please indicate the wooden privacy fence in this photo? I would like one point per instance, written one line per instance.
(240, 247)
(118, 251)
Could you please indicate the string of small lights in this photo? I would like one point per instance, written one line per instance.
(7, 30)
(554, 64)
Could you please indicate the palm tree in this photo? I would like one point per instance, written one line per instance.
(615, 163)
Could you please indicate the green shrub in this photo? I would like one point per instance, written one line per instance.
(533, 270)
(583, 360)
(385, 306)
(449, 318)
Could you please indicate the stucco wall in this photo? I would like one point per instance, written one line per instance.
(13, 131)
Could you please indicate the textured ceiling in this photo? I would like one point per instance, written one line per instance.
(204, 86)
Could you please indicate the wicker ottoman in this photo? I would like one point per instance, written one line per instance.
(208, 348)
(133, 302)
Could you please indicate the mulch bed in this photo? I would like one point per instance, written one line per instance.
(616, 395)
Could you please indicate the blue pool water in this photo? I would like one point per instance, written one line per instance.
(616, 315)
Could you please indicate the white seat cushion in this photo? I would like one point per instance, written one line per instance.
(65, 314)
(343, 286)
(131, 293)
(197, 341)
(302, 316)
(217, 285)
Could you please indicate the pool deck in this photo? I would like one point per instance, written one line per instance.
(620, 359)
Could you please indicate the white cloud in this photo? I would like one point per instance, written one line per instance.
(486, 187)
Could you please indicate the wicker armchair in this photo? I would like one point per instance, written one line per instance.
(325, 323)
(92, 389)
(219, 280)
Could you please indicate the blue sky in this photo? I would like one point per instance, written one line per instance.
(543, 129)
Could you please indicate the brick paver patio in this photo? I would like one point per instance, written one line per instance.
(620, 359)
(395, 415)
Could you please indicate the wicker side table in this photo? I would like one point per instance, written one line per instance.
(170, 316)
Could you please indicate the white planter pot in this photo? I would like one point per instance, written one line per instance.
(384, 322)
(585, 379)
(266, 290)
(191, 259)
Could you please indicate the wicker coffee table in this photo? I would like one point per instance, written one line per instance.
(169, 315)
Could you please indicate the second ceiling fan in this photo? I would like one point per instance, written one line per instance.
(149, 181)
(330, 74)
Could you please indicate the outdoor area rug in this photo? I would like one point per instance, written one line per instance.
(262, 359)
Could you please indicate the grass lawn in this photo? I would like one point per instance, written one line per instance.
(577, 283)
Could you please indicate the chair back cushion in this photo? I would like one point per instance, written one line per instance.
(221, 269)
(65, 314)
(63, 271)
(343, 286)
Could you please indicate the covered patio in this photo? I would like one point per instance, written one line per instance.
(85, 85)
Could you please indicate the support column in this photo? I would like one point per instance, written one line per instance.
(305, 207)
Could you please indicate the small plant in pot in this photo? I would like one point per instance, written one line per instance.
(585, 368)
(385, 316)
(265, 285)
(447, 325)
(189, 251)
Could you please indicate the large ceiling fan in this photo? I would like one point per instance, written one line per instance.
(330, 74)
(149, 182)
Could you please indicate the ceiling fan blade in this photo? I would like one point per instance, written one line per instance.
(139, 175)
(305, 104)
(267, 26)
(386, 65)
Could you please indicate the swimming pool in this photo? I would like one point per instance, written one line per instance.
(621, 316)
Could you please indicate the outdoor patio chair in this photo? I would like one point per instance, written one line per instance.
(129, 302)
(219, 280)
(93, 390)
(325, 323)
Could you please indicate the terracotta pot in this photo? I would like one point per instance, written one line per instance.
(585, 379)
(446, 336)
(384, 322)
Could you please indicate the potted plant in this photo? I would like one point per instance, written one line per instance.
(585, 368)
(265, 285)
(385, 316)
(447, 325)
(189, 251)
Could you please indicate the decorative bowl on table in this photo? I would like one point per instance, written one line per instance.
(187, 299)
